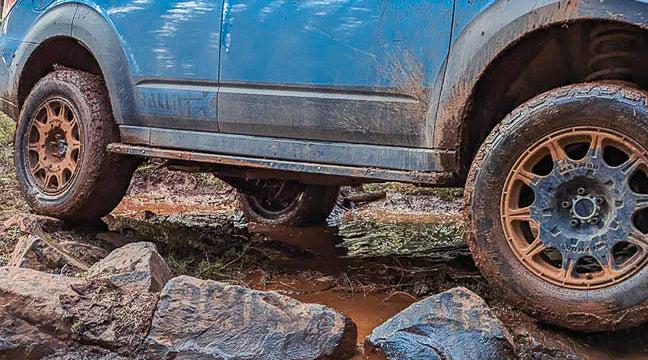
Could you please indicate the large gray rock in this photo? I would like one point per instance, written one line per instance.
(44, 315)
(197, 319)
(456, 324)
(136, 266)
(31, 315)
(107, 316)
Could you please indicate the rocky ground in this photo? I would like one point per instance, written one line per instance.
(386, 247)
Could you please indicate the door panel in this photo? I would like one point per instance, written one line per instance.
(174, 48)
(336, 70)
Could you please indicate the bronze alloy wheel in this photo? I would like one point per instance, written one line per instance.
(575, 208)
(54, 146)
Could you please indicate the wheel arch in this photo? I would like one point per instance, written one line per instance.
(76, 36)
(491, 47)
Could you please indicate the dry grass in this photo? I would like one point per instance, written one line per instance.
(10, 200)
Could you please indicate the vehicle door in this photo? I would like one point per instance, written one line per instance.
(357, 71)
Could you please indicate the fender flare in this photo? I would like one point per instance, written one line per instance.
(499, 27)
(96, 33)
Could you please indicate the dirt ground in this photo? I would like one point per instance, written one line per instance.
(372, 261)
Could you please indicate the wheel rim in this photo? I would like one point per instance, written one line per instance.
(575, 208)
(53, 146)
(276, 197)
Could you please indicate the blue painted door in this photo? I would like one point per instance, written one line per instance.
(173, 47)
(358, 71)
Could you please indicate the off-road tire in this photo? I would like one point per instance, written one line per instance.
(617, 306)
(101, 178)
(312, 208)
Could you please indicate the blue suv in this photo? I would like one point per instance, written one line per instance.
(538, 108)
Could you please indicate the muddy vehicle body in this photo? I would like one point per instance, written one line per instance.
(537, 107)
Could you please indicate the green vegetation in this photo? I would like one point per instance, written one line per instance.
(7, 129)
(10, 200)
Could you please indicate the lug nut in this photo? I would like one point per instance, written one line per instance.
(600, 200)
(595, 221)
(574, 223)
(581, 191)
(566, 204)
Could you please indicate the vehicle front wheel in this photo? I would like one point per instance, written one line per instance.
(557, 207)
(288, 203)
(62, 164)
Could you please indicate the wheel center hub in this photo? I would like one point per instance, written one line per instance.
(56, 144)
(584, 208)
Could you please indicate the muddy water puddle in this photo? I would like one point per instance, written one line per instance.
(317, 280)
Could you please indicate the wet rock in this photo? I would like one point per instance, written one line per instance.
(85, 252)
(85, 353)
(456, 324)
(31, 223)
(108, 316)
(367, 235)
(532, 348)
(37, 253)
(116, 240)
(206, 233)
(206, 319)
(31, 317)
(136, 266)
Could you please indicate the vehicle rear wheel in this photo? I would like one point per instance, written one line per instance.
(568, 239)
(288, 203)
(62, 164)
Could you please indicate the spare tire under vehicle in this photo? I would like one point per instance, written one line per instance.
(287, 203)
(567, 240)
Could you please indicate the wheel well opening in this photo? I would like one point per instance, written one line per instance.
(60, 51)
(547, 59)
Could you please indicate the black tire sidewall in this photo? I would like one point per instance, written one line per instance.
(617, 306)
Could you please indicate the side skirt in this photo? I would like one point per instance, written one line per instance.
(308, 151)
(325, 170)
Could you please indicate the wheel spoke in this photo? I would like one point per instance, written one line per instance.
(567, 269)
(521, 214)
(69, 164)
(48, 180)
(73, 144)
(631, 165)
(35, 147)
(638, 238)
(525, 176)
(51, 114)
(536, 248)
(608, 266)
(61, 112)
(72, 124)
(596, 146)
(556, 150)
(641, 201)
(37, 167)
(40, 128)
